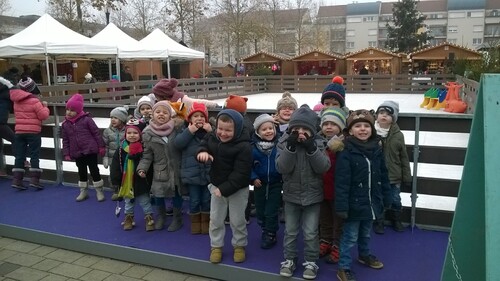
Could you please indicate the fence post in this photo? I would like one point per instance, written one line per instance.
(57, 148)
(416, 152)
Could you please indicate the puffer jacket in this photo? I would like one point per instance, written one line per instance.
(192, 171)
(112, 138)
(264, 164)
(82, 137)
(361, 184)
(302, 173)
(396, 156)
(29, 112)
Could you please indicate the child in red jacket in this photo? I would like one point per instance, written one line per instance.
(29, 112)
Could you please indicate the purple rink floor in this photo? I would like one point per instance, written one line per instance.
(407, 256)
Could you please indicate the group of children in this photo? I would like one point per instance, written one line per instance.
(334, 171)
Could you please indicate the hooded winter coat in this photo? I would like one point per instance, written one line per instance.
(82, 137)
(29, 112)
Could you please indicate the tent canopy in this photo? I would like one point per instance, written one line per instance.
(128, 47)
(175, 50)
(46, 36)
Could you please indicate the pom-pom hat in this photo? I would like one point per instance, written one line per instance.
(198, 107)
(167, 89)
(334, 90)
(286, 101)
(390, 107)
(75, 103)
(28, 85)
(237, 103)
(120, 112)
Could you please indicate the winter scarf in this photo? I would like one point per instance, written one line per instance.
(73, 119)
(127, 187)
(162, 130)
(367, 148)
(381, 131)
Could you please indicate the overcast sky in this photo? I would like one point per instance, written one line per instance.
(37, 7)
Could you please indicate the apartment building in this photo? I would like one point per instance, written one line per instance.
(356, 26)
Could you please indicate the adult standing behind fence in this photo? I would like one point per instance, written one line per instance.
(5, 131)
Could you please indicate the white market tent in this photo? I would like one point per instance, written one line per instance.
(174, 49)
(47, 37)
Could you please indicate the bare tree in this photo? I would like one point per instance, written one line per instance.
(186, 13)
(273, 6)
(4, 6)
(302, 22)
(144, 16)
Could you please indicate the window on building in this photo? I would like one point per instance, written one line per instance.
(369, 18)
(477, 28)
(455, 15)
(350, 33)
(372, 44)
(477, 41)
(353, 19)
(372, 32)
(350, 45)
(452, 29)
(475, 14)
(452, 41)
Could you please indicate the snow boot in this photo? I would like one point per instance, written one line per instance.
(176, 223)
(378, 226)
(98, 186)
(17, 179)
(396, 221)
(196, 223)
(161, 213)
(205, 222)
(35, 175)
(150, 223)
(128, 223)
(84, 186)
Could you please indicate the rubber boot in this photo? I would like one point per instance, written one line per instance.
(195, 223)
(396, 221)
(98, 186)
(35, 175)
(205, 222)
(160, 217)
(84, 186)
(17, 179)
(176, 223)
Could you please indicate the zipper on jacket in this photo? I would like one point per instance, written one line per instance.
(268, 178)
(370, 185)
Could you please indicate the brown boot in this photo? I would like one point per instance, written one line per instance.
(195, 223)
(205, 222)
(216, 255)
(17, 179)
(35, 175)
(239, 254)
(128, 223)
(150, 223)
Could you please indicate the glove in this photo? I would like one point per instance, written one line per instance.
(309, 144)
(105, 162)
(342, 215)
(134, 148)
(67, 158)
(292, 140)
(102, 151)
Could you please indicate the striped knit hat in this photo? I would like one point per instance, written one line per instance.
(335, 115)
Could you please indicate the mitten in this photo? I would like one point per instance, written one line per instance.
(134, 148)
(336, 144)
(67, 158)
(342, 215)
(102, 151)
(292, 140)
(309, 144)
(105, 162)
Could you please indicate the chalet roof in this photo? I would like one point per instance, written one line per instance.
(376, 53)
(321, 55)
(264, 56)
(422, 54)
(332, 11)
(466, 4)
(221, 65)
(371, 8)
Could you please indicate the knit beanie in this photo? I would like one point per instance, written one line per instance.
(334, 90)
(180, 109)
(136, 125)
(88, 76)
(237, 103)
(166, 88)
(28, 85)
(144, 100)
(286, 101)
(318, 107)
(165, 104)
(198, 107)
(261, 119)
(391, 107)
(121, 113)
(304, 117)
(361, 115)
(335, 115)
(75, 103)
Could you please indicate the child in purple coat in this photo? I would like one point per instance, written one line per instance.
(82, 142)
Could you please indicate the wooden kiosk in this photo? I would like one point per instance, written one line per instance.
(280, 64)
(318, 63)
(377, 61)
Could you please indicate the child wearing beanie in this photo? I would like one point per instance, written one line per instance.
(29, 112)
(284, 110)
(229, 150)
(334, 94)
(166, 89)
(194, 174)
(161, 156)
(82, 142)
(28, 85)
(333, 121)
(397, 161)
(302, 160)
(133, 188)
(360, 167)
(266, 179)
(113, 135)
(144, 109)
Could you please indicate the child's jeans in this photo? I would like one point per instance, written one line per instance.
(144, 201)
(90, 161)
(354, 232)
(22, 142)
(199, 199)
(267, 206)
(309, 216)
(237, 203)
(396, 197)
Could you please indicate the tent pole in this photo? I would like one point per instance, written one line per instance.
(110, 69)
(203, 69)
(168, 67)
(151, 67)
(48, 69)
(118, 70)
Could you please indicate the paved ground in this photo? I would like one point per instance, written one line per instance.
(21, 260)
